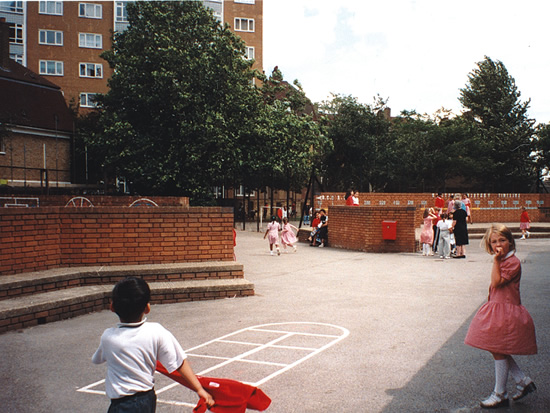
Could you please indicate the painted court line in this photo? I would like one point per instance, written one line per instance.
(275, 334)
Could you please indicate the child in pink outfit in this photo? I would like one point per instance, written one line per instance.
(502, 325)
(287, 235)
(272, 234)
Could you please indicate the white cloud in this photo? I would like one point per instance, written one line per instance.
(417, 53)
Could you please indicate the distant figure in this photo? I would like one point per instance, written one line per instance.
(460, 230)
(349, 198)
(427, 234)
(468, 205)
(355, 197)
(524, 223)
(502, 325)
(272, 234)
(287, 235)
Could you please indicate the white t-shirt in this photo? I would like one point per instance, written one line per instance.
(131, 352)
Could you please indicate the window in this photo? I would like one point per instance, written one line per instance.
(50, 67)
(51, 7)
(90, 40)
(50, 37)
(92, 11)
(91, 70)
(249, 53)
(87, 100)
(2, 146)
(17, 57)
(12, 6)
(241, 192)
(121, 15)
(245, 1)
(244, 25)
(16, 33)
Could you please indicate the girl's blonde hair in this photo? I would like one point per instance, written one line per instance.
(499, 229)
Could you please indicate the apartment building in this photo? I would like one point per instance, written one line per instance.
(63, 40)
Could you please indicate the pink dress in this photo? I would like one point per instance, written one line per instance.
(287, 236)
(502, 325)
(427, 234)
(273, 232)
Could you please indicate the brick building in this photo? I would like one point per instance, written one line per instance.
(37, 126)
(62, 40)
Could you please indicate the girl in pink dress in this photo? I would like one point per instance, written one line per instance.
(427, 234)
(287, 236)
(272, 234)
(502, 325)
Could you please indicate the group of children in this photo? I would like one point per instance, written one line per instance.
(439, 227)
(288, 237)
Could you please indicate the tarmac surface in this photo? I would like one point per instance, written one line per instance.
(328, 330)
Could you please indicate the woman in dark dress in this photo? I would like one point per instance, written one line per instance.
(460, 230)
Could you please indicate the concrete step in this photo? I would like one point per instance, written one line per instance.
(46, 307)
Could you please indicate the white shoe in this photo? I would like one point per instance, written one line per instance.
(522, 237)
(321, 245)
(271, 253)
(524, 387)
(495, 400)
(294, 246)
(528, 234)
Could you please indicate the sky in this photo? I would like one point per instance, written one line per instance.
(417, 54)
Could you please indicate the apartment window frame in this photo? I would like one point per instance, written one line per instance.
(245, 1)
(121, 15)
(58, 37)
(88, 100)
(2, 146)
(95, 68)
(250, 53)
(83, 40)
(45, 65)
(12, 7)
(90, 10)
(239, 23)
(17, 34)
(44, 7)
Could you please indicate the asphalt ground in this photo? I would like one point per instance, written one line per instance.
(364, 333)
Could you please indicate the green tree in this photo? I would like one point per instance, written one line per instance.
(492, 100)
(179, 99)
(360, 138)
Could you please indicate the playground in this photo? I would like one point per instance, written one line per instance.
(327, 330)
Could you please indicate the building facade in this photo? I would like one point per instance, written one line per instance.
(63, 40)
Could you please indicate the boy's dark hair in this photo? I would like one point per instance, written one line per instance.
(130, 298)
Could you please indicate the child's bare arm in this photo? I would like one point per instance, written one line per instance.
(187, 373)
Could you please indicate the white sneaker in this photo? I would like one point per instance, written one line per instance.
(271, 253)
(495, 400)
(294, 246)
(524, 387)
(321, 245)
(522, 237)
(528, 234)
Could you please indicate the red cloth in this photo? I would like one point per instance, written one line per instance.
(349, 201)
(439, 202)
(524, 217)
(230, 396)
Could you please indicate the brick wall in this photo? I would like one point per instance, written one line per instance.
(360, 228)
(485, 207)
(34, 239)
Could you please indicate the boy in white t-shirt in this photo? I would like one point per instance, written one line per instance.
(131, 351)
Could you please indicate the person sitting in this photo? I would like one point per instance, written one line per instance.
(321, 237)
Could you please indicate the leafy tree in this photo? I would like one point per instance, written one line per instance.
(179, 99)
(505, 131)
(360, 139)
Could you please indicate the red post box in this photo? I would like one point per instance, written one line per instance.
(389, 230)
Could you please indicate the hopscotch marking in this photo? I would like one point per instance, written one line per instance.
(282, 331)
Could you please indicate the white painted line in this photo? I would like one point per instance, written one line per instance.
(283, 331)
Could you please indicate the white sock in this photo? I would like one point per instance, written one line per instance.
(515, 370)
(501, 375)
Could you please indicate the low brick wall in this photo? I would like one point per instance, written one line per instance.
(360, 228)
(35, 239)
(486, 207)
